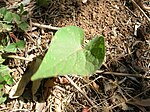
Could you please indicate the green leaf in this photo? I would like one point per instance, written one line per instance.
(96, 49)
(1, 59)
(7, 27)
(67, 55)
(16, 18)
(20, 44)
(5, 73)
(1, 27)
(1, 89)
(24, 13)
(2, 98)
(21, 8)
(1, 79)
(8, 17)
(8, 79)
(1, 48)
(11, 48)
(2, 11)
(23, 25)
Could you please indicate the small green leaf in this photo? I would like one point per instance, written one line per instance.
(8, 17)
(1, 79)
(1, 26)
(24, 13)
(8, 79)
(2, 11)
(23, 25)
(1, 87)
(96, 47)
(20, 44)
(7, 27)
(21, 8)
(1, 48)
(2, 98)
(16, 18)
(11, 48)
(1, 59)
(5, 73)
(66, 54)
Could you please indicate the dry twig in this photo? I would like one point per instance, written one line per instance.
(132, 98)
(21, 110)
(141, 10)
(120, 74)
(18, 57)
(45, 26)
(78, 88)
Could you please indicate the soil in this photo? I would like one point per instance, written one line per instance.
(123, 81)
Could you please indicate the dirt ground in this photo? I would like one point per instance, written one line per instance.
(121, 84)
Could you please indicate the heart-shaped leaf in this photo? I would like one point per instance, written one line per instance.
(68, 54)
